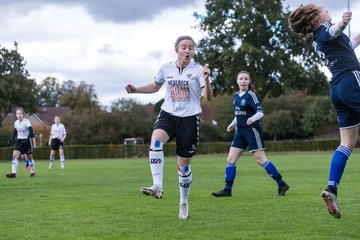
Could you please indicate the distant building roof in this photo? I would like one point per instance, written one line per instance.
(44, 117)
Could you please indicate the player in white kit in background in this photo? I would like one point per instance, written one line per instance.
(56, 141)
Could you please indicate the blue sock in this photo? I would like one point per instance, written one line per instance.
(337, 166)
(273, 172)
(230, 173)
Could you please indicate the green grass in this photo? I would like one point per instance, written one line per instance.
(100, 199)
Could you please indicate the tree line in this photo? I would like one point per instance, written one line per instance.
(239, 35)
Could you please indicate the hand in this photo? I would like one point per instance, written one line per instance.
(346, 17)
(229, 128)
(130, 88)
(206, 71)
(249, 121)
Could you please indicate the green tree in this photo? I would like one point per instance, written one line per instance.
(16, 88)
(224, 114)
(278, 123)
(135, 120)
(50, 92)
(80, 99)
(293, 103)
(255, 36)
(320, 112)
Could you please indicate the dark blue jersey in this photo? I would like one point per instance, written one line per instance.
(336, 52)
(246, 106)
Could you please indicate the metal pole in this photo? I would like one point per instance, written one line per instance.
(349, 23)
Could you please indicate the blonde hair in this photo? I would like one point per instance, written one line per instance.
(305, 20)
(182, 38)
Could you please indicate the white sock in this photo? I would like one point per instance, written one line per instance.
(156, 157)
(185, 179)
(32, 166)
(51, 161)
(62, 161)
(14, 165)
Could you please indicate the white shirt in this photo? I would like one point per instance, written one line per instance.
(22, 128)
(58, 131)
(183, 88)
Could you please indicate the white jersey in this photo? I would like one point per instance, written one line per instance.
(58, 131)
(22, 128)
(183, 88)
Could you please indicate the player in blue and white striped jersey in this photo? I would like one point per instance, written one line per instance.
(248, 112)
(24, 144)
(337, 52)
(185, 81)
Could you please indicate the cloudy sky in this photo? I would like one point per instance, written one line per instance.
(110, 43)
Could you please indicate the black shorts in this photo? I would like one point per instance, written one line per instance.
(24, 146)
(56, 144)
(184, 129)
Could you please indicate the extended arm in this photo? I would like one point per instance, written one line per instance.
(336, 29)
(149, 88)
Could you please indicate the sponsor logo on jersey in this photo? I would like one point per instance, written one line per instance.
(240, 113)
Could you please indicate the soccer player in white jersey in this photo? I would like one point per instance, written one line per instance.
(185, 82)
(248, 112)
(24, 144)
(56, 142)
(336, 50)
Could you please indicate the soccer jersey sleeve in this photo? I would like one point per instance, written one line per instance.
(323, 33)
(255, 103)
(160, 77)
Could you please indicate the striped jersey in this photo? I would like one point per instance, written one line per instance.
(22, 128)
(336, 52)
(183, 88)
(246, 106)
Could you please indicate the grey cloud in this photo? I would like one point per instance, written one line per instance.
(155, 54)
(107, 50)
(119, 11)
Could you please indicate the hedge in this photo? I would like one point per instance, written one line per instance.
(129, 151)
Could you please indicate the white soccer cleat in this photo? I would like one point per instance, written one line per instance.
(331, 203)
(154, 190)
(184, 211)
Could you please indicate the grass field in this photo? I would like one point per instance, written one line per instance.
(100, 199)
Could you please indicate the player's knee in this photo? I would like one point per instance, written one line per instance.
(184, 171)
(156, 145)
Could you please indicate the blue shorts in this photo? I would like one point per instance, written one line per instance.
(184, 129)
(345, 96)
(251, 137)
